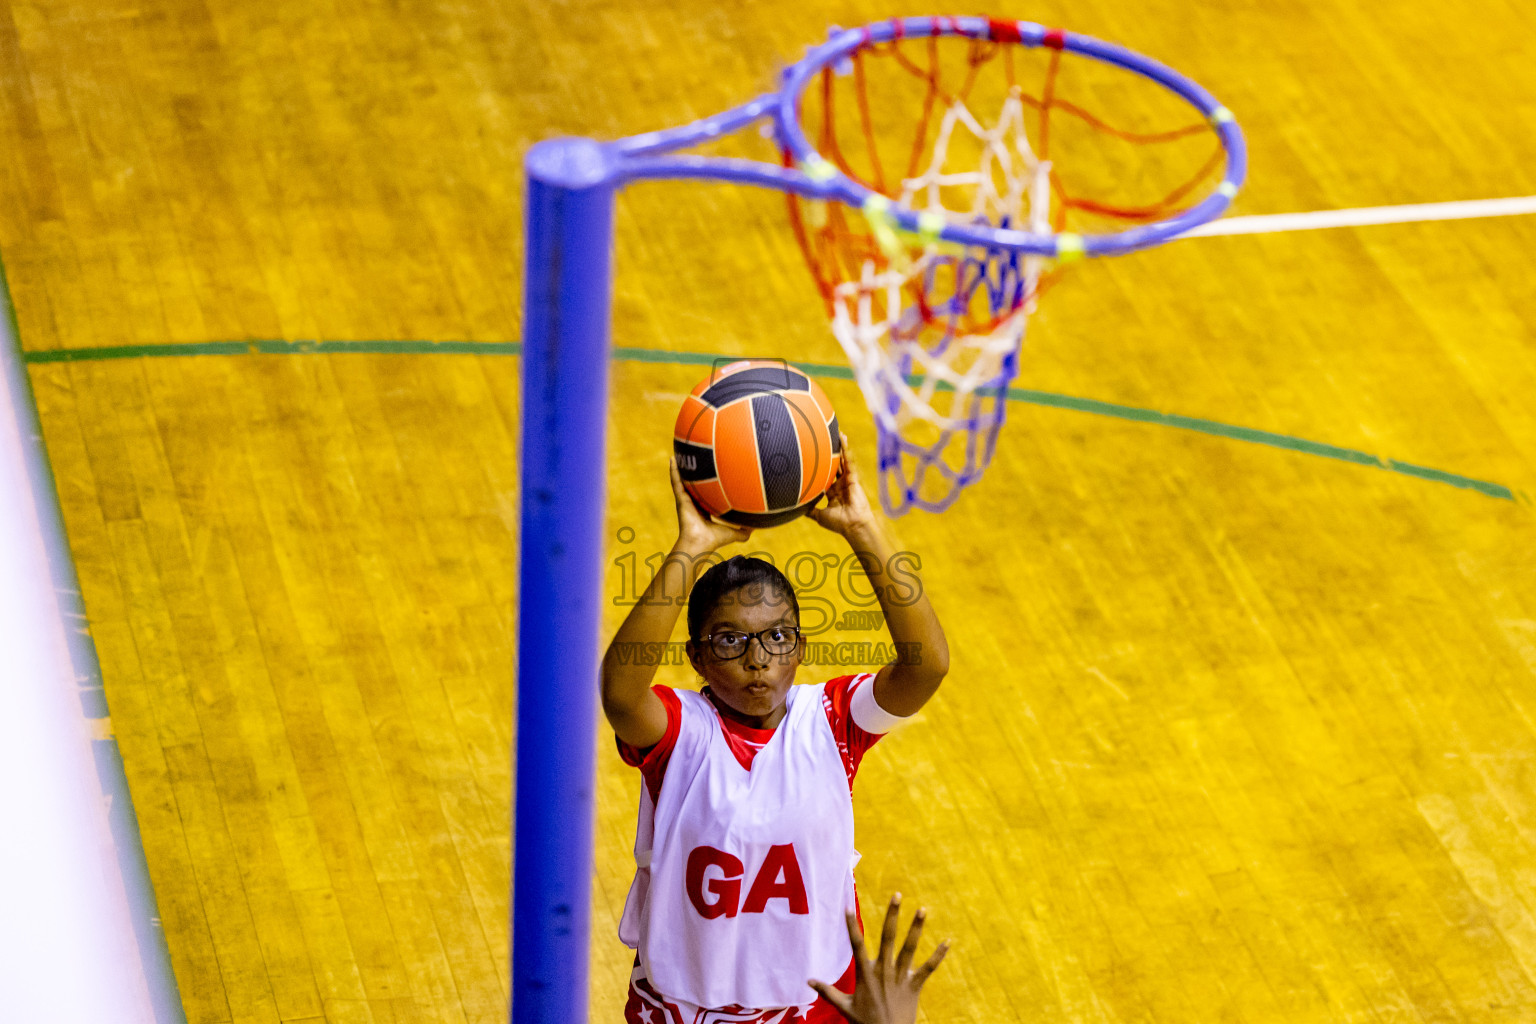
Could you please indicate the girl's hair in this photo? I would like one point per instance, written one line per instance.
(733, 574)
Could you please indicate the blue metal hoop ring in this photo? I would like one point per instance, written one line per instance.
(646, 156)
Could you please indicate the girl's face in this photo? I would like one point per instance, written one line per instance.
(754, 683)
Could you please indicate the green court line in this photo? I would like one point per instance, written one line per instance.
(651, 355)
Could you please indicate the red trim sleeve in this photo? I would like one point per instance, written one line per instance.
(652, 761)
(852, 742)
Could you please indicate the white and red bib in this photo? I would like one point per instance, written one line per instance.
(743, 873)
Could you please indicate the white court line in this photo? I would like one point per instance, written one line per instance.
(1461, 210)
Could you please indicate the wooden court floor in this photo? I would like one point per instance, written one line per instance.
(1234, 732)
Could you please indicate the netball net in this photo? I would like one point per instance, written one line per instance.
(975, 132)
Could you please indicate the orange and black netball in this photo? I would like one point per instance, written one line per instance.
(757, 443)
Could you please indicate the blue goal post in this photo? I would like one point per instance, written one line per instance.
(571, 186)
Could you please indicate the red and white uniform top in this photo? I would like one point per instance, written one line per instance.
(744, 847)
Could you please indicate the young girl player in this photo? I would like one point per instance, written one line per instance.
(744, 846)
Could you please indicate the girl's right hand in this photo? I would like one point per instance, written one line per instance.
(696, 531)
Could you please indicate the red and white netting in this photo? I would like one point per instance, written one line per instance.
(933, 330)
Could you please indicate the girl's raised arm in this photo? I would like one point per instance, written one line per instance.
(635, 712)
(905, 685)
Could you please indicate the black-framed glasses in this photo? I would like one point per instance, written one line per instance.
(732, 643)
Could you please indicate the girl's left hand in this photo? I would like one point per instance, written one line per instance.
(847, 508)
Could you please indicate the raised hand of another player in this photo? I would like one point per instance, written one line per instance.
(697, 532)
(886, 991)
(847, 508)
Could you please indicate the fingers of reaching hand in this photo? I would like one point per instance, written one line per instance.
(855, 935)
(885, 992)
(888, 935)
(842, 1002)
(897, 972)
(930, 965)
(863, 972)
(909, 947)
